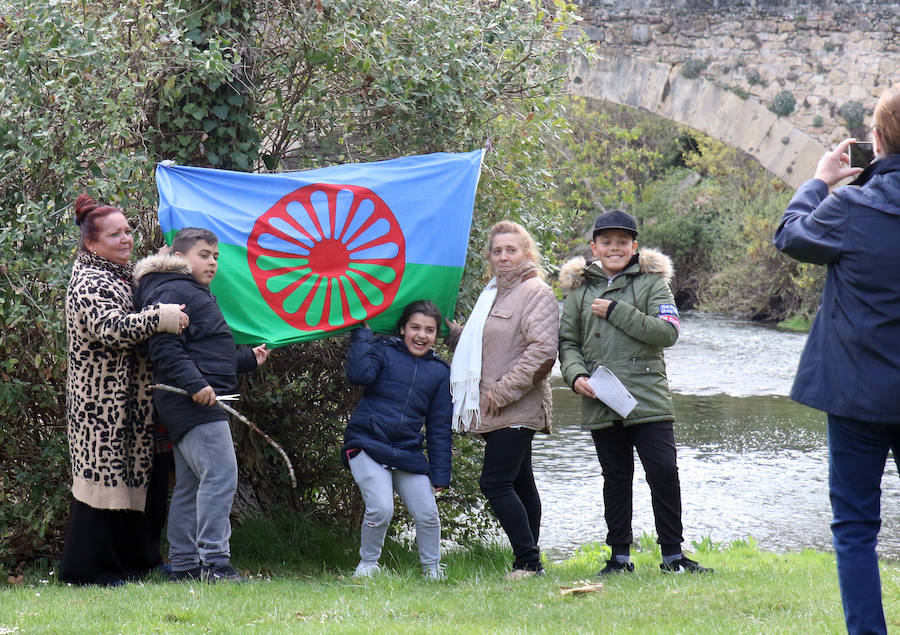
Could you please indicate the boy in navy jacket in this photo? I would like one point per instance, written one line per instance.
(204, 361)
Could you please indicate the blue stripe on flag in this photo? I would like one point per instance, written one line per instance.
(431, 196)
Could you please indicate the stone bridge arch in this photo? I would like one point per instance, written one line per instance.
(717, 65)
(661, 89)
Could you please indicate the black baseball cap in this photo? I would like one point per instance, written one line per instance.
(615, 219)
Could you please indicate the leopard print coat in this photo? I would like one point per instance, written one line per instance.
(108, 404)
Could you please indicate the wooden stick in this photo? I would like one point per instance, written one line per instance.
(249, 423)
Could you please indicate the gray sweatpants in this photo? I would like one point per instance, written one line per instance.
(377, 484)
(205, 482)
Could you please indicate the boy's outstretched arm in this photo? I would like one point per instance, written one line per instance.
(248, 359)
(261, 353)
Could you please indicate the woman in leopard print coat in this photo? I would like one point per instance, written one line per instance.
(108, 405)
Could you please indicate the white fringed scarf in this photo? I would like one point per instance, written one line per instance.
(465, 369)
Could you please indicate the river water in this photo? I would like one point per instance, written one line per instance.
(752, 462)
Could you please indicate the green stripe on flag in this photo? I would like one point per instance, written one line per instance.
(252, 321)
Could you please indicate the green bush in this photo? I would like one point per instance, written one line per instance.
(604, 160)
(716, 220)
(203, 102)
(693, 68)
(783, 103)
(755, 79)
(854, 114)
(679, 219)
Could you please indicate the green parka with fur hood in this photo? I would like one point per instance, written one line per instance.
(630, 342)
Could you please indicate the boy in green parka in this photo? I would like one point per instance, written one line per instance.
(619, 312)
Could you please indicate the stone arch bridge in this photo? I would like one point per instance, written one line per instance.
(718, 66)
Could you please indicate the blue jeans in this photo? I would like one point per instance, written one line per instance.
(857, 453)
(205, 482)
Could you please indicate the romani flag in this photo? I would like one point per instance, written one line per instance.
(305, 254)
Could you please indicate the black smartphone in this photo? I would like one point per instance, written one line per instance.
(861, 154)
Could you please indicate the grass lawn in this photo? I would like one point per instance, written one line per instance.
(301, 584)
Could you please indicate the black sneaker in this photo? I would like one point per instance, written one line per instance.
(185, 576)
(684, 565)
(614, 566)
(221, 573)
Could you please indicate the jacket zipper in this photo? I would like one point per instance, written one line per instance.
(409, 392)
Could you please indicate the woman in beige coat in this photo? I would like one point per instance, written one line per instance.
(499, 384)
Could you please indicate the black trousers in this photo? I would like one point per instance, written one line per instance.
(105, 546)
(157, 507)
(655, 445)
(507, 481)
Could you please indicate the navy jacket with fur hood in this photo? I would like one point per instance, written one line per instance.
(403, 394)
(850, 366)
(203, 355)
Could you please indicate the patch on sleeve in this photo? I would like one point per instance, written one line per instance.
(668, 309)
(671, 318)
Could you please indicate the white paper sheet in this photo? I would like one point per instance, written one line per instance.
(611, 391)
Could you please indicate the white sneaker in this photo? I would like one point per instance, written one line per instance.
(434, 572)
(366, 569)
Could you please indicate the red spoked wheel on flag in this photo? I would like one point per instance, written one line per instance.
(326, 256)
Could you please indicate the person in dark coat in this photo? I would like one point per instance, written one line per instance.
(406, 388)
(204, 361)
(850, 367)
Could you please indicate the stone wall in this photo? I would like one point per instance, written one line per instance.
(825, 54)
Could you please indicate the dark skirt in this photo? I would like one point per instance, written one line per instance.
(111, 546)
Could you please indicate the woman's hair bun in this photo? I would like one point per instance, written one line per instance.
(84, 205)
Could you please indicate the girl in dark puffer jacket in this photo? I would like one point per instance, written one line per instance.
(406, 388)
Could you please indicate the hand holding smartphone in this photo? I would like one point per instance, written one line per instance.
(861, 153)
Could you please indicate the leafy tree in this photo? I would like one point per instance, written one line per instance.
(601, 163)
(205, 98)
(716, 218)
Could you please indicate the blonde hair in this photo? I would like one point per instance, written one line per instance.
(887, 119)
(526, 242)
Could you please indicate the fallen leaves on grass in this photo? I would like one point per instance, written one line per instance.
(593, 587)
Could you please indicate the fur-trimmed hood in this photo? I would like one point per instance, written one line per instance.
(161, 263)
(572, 273)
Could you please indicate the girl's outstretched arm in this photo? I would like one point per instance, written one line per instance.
(364, 357)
